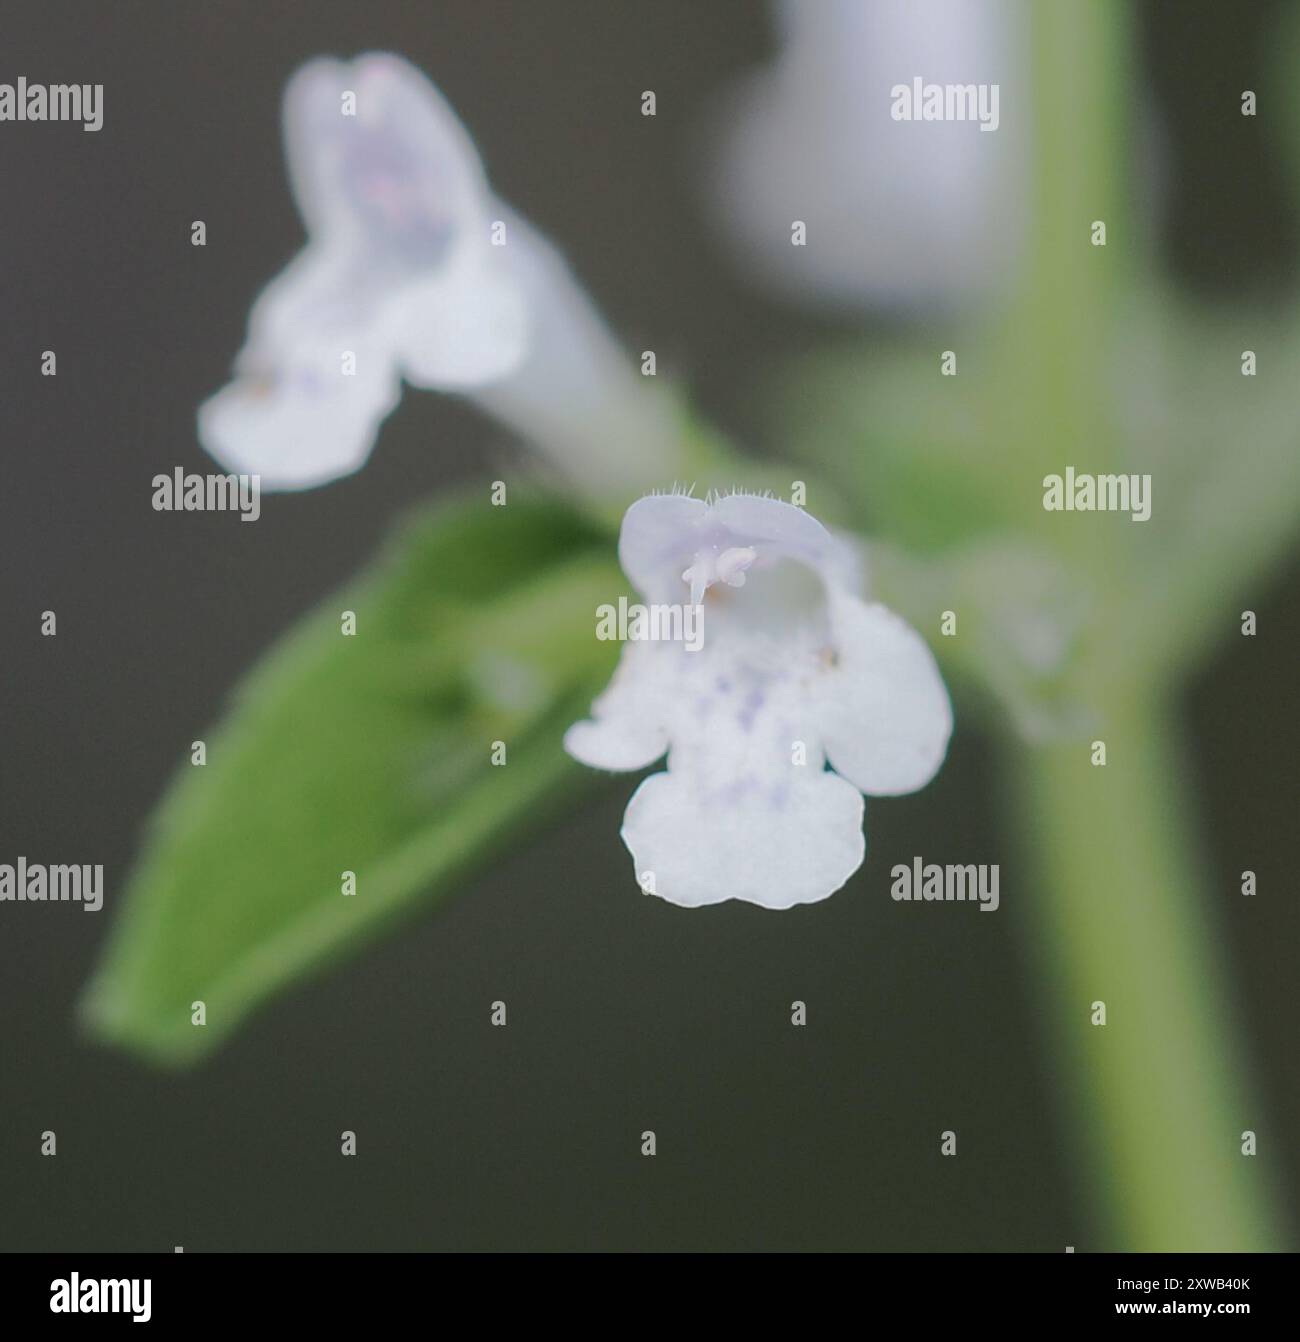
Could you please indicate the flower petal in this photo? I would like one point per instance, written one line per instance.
(885, 714)
(626, 728)
(390, 170)
(655, 537)
(775, 847)
(301, 422)
(746, 809)
(779, 527)
(662, 533)
(293, 415)
(462, 328)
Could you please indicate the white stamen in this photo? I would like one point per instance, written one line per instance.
(708, 567)
(734, 563)
(700, 575)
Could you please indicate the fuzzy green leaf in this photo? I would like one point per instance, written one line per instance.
(369, 754)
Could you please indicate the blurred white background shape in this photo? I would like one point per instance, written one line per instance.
(899, 214)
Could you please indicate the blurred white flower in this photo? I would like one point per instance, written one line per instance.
(413, 270)
(897, 213)
(796, 672)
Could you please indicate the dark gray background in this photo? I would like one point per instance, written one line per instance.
(626, 1013)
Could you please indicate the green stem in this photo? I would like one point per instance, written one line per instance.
(1158, 1097)
(1055, 336)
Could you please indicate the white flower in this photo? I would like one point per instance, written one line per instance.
(897, 214)
(414, 270)
(796, 673)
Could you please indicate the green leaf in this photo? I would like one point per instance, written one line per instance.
(369, 754)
